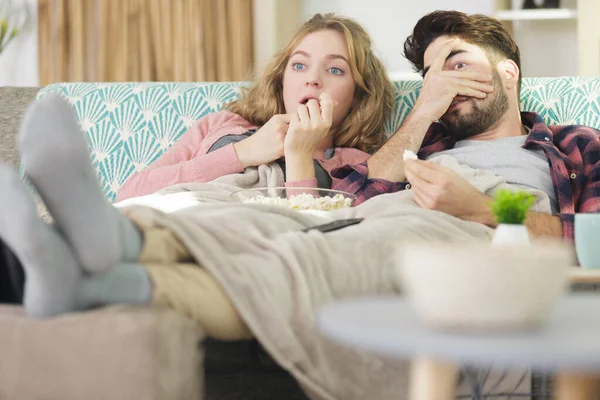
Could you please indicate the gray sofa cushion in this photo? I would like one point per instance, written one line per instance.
(13, 102)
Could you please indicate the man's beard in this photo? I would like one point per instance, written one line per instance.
(485, 113)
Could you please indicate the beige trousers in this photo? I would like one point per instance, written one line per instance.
(184, 286)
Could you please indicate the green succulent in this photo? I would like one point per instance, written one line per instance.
(12, 22)
(511, 207)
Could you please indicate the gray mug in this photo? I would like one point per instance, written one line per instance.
(587, 239)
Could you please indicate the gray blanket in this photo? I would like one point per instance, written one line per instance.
(278, 276)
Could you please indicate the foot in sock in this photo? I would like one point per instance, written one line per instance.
(56, 159)
(126, 283)
(52, 273)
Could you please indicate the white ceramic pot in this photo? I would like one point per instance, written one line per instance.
(511, 234)
(478, 287)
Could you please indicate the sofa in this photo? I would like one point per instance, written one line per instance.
(127, 126)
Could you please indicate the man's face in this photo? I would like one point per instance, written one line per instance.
(469, 116)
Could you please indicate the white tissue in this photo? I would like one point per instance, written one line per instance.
(409, 155)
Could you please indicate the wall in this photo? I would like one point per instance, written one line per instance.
(548, 48)
(389, 22)
(278, 20)
(19, 61)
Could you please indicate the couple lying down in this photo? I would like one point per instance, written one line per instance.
(311, 120)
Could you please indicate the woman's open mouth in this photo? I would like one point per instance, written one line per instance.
(305, 100)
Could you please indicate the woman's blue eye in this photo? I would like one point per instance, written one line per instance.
(336, 71)
(297, 66)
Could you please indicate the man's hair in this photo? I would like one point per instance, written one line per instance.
(481, 30)
(363, 127)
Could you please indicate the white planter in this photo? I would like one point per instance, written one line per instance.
(511, 234)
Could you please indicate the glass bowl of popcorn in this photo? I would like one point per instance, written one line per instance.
(297, 198)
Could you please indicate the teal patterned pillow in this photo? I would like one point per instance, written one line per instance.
(129, 125)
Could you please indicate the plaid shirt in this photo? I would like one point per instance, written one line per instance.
(573, 153)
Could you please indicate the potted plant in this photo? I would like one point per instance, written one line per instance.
(11, 23)
(510, 208)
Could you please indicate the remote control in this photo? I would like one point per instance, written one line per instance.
(335, 225)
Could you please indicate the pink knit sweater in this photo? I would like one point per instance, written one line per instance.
(188, 161)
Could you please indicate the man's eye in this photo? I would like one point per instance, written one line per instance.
(460, 65)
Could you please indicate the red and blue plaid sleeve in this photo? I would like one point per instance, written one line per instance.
(582, 146)
(355, 179)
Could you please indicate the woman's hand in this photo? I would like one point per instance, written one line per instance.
(266, 145)
(309, 126)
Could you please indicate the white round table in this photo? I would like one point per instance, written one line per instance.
(569, 343)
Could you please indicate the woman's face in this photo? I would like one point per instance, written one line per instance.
(320, 63)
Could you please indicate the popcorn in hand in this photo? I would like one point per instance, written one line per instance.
(409, 155)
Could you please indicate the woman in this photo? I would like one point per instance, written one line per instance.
(98, 257)
(314, 102)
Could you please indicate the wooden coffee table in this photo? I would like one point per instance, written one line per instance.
(582, 275)
(568, 344)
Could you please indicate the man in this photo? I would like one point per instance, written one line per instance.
(469, 108)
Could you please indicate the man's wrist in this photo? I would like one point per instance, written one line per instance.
(387, 163)
(483, 212)
(420, 115)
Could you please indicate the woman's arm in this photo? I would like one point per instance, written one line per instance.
(300, 170)
(185, 162)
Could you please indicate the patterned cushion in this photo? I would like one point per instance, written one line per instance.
(129, 125)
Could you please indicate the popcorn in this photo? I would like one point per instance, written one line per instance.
(305, 201)
(409, 155)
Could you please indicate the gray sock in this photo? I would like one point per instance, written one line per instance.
(126, 283)
(56, 159)
(51, 270)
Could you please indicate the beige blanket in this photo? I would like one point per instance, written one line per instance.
(220, 190)
(279, 277)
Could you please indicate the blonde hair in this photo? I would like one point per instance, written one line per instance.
(363, 127)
